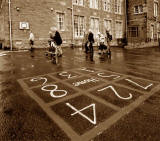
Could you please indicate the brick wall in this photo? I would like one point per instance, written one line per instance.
(41, 18)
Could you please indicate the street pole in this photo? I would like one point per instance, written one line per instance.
(10, 24)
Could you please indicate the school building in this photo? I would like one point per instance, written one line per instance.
(136, 21)
(143, 23)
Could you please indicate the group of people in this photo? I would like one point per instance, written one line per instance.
(55, 40)
(103, 42)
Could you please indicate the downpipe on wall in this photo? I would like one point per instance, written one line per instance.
(10, 23)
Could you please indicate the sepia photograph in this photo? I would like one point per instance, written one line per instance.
(79, 70)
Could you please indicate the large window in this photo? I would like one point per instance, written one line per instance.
(118, 6)
(60, 21)
(133, 31)
(107, 25)
(155, 8)
(78, 2)
(138, 9)
(119, 30)
(94, 25)
(78, 26)
(107, 5)
(94, 4)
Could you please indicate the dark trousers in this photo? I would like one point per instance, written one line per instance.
(86, 47)
(91, 47)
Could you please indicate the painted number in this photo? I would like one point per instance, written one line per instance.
(85, 69)
(108, 76)
(2, 54)
(38, 79)
(66, 74)
(138, 84)
(116, 93)
(83, 115)
(54, 90)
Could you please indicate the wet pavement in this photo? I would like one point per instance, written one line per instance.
(113, 98)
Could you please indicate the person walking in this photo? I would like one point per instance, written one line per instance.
(91, 41)
(101, 43)
(31, 42)
(58, 41)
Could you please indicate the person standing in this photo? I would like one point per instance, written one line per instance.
(159, 41)
(108, 39)
(85, 41)
(31, 39)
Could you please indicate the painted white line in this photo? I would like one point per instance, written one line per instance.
(138, 84)
(113, 89)
(54, 90)
(79, 112)
(104, 76)
(38, 79)
(66, 74)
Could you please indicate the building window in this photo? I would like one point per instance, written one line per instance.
(107, 5)
(118, 6)
(138, 9)
(94, 25)
(107, 25)
(94, 4)
(118, 29)
(78, 2)
(78, 26)
(155, 9)
(152, 31)
(133, 32)
(60, 21)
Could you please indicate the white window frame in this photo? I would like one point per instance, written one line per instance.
(118, 6)
(139, 9)
(94, 4)
(94, 27)
(60, 24)
(79, 30)
(155, 8)
(119, 30)
(78, 2)
(107, 5)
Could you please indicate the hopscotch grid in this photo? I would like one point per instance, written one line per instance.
(96, 98)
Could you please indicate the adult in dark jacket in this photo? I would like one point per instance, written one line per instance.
(91, 41)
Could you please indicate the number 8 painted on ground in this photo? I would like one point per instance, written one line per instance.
(54, 90)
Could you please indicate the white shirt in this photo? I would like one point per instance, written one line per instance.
(31, 36)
